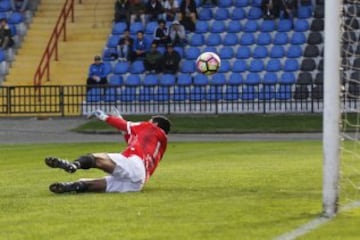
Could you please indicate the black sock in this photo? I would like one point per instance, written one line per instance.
(80, 186)
(85, 162)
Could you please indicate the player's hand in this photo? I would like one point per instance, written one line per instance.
(99, 114)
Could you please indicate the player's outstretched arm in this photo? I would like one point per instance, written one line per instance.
(99, 114)
(115, 121)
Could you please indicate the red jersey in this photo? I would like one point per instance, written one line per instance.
(144, 139)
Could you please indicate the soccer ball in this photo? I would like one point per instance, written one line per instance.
(208, 63)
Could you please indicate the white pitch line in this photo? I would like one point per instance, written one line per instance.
(317, 222)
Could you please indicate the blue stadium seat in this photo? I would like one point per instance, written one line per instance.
(109, 54)
(112, 41)
(5, 6)
(264, 38)
(273, 65)
(232, 92)
(197, 40)
(225, 3)
(250, 26)
(291, 65)
(254, 13)
(301, 25)
(198, 90)
(249, 93)
(281, 38)
(167, 80)
(225, 66)
(298, 38)
(162, 93)
(118, 28)
(252, 78)
(94, 95)
(235, 79)
(234, 26)
(137, 67)
(201, 26)
(270, 78)
(294, 51)
(112, 94)
(181, 89)
(128, 92)
(217, 26)
(239, 66)
(287, 78)
(135, 27)
(226, 52)
(284, 25)
(192, 52)
(188, 66)
(121, 68)
(213, 39)
(267, 92)
(210, 49)
(205, 14)
(256, 65)
(15, 18)
(221, 14)
(247, 39)
(180, 51)
(277, 51)
(241, 3)
(108, 67)
(267, 26)
(243, 52)
(238, 14)
(256, 3)
(150, 27)
(230, 39)
(215, 92)
(147, 89)
(116, 80)
(304, 12)
(284, 92)
(260, 52)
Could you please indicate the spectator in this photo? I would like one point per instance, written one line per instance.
(141, 46)
(97, 73)
(288, 8)
(122, 11)
(270, 8)
(125, 47)
(171, 8)
(6, 40)
(161, 33)
(137, 11)
(213, 2)
(154, 10)
(19, 5)
(152, 60)
(171, 60)
(188, 14)
(177, 34)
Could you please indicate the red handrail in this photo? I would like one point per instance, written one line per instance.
(52, 46)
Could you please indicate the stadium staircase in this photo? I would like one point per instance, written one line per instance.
(85, 38)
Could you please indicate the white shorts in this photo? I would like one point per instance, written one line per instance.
(128, 176)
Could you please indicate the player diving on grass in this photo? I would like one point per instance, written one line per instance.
(129, 170)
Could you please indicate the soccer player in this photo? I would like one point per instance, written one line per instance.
(129, 170)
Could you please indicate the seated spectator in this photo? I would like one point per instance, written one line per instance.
(141, 46)
(161, 33)
(171, 8)
(122, 11)
(137, 11)
(177, 34)
(6, 40)
(125, 47)
(288, 8)
(213, 2)
(152, 60)
(154, 10)
(97, 73)
(188, 14)
(22, 6)
(270, 8)
(171, 60)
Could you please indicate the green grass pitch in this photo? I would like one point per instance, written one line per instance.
(232, 190)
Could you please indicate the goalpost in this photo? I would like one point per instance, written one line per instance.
(331, 112)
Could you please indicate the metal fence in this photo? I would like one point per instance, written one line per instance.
(77, 100)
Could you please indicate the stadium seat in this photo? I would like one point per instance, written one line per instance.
(232, 92)
(317, 25)
(15, 18)
(256, 65)
(221, 14)
(197, 40)
(116, 80)
(267, 92)
(298, 38)
(260, 52)
(230, 39)
(215, 92)
(225, 66)
(198, 90)
(235, 79)
(250, 26)
(301, 25)
(108, 67)
(210, 49)
(5, 6)
(277, 51)
(181, 89)
(201, 26)
(304, 12)
(247, 39)
(180, 51)
(267, 26)
(118, 28)
(281, 38)
(319, 11)
(312, 51)
(284, 25)
(301, 92)
(243, 52)
(241, 3)
(150, 27)
(252, 78)
(270, 78)
(273, 65)
(137, 67)
(287, 78)
(304, 78)
(284, 92)
(135, 27)
(225, 3)
(113, 41)
(162, 93)
(112, 94)
(308, 65)
(294, 51)
(213, 39)
(234, 26)
(128, 92)
(239, 66)
(121, 68)
(94, 95)
(291, 65)
(226, 52)
(256, 3)
(263, 38)
(254, 13)
(147, 89)
(249, 92)
(167, 80)
(217, 26)
(109, 54)
(192, 52)
(205, 14)
(238, 14)
(188, 66)
(314, 38)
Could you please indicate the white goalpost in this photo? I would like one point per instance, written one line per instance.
(331, 112)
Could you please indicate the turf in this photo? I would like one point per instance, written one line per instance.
(236, 190)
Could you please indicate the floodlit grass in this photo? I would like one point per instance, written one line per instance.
(236, 190)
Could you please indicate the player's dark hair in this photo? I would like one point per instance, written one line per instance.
(162, 122)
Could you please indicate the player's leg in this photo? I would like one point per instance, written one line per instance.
(81, 186)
